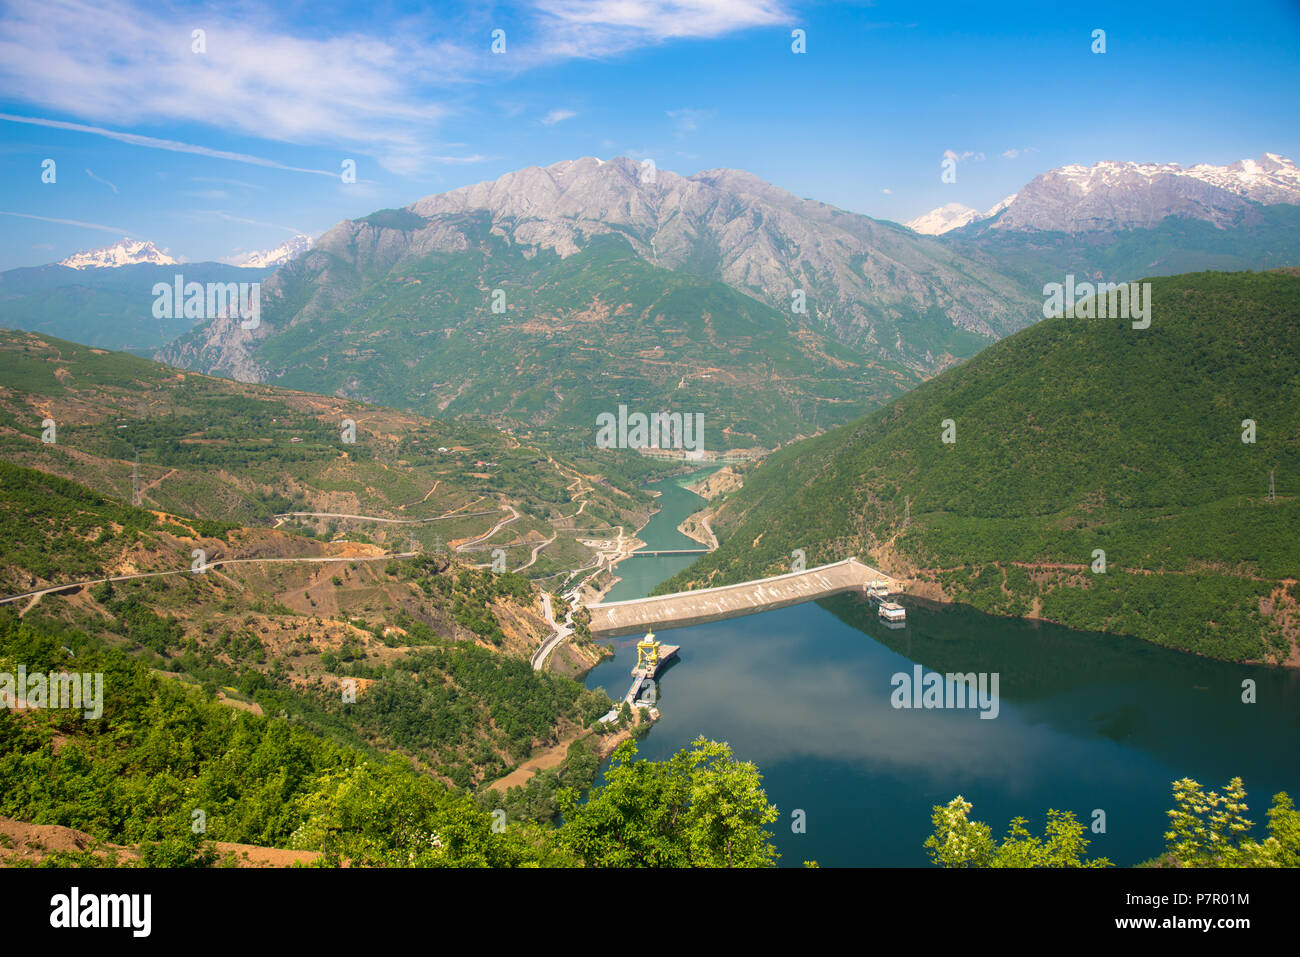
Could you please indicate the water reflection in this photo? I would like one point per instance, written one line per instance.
(1086, 722)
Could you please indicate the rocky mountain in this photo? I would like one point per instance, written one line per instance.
(953, 216)
(1126, 221)
(124, 252)
(1123, 195)
(1113, 195)
(865, 280)
(282, 253)
(870, 284)
(504, 328)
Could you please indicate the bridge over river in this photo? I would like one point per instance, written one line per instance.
(731, 601)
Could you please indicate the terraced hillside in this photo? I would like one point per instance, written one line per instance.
(254, 455)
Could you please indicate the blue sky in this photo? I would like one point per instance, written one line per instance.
(236, 148)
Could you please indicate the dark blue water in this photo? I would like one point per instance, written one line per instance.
(1086, 722)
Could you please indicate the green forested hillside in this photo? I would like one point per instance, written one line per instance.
(1264, 237)
(575, 337)
(1072, 436)
(159, 753)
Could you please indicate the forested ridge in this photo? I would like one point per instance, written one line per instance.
(1072, 438)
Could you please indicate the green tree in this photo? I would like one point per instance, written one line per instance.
(699, 808)
(958, 841)
(1209, 829)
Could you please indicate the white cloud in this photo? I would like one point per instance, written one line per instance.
(557, 116)
(589, 28)
(251, 222)
(1013, 153)
(99, 179)
(224, 181)
(69, 222)
(383, 94)
(887, 191)
(462, 160)
(153, 142)
(126, 63)
(959, 157)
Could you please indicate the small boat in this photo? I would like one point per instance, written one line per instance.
(891, 611)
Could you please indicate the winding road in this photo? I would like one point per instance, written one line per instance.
(560, 632)
(40, 592)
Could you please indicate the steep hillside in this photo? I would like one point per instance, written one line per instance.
(716, 292)
(111, 307)
(1073, 436)
(1258, 237)
(186, 778)
(254, 455)
(576, 337)
(435, 653)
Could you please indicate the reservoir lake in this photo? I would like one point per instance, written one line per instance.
(1086, 722)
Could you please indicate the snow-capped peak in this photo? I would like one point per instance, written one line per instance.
(994, 210)
(124, 252)
(1247, 177)
(282, 253)
(1120, 195)
(948, 217)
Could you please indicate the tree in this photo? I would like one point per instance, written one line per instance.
(1208, 829)
(958, 841)
(699, 808)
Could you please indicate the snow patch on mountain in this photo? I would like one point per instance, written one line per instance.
(993, 211)
(282, 253)
(1121, 195)
(124, 252)
(947, 217)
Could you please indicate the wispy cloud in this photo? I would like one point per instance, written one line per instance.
(961, 157)
(1013, 153)
(98, 179)
(462, 160)
(687, 120)
(593, 28)
(557, 116)
(69, 222)
(222, 181)
(122, 63)
(131, 62)
(248, 222)
(158, 144)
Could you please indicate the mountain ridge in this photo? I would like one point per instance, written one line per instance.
(1071, 436)
(124, 252)
(1121, 194)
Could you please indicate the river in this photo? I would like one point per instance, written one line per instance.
(1086, 722)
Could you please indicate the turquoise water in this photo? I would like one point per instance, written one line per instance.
(640, 574)
(1086, 722)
